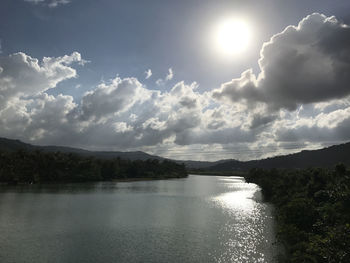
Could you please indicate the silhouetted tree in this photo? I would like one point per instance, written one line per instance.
(38, 167)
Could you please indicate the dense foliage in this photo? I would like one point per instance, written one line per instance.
(38, 167)
(312, 209)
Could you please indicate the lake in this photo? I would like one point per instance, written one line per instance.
(195, 219)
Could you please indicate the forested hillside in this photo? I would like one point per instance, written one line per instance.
(40, 167)
(327, 157)
(10, 145)
(312, 211)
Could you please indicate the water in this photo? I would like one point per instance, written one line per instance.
(197, 219)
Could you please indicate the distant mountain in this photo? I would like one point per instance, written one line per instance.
(326, 157)
(201, 164)
(15, 145)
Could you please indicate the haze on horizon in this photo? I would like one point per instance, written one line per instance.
(199, 80)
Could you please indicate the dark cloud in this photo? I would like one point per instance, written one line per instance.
(220, 136)
(261, 120)
(303, 64)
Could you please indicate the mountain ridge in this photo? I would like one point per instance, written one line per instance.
(325, 157)
(14, 145)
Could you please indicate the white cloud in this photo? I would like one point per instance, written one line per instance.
(122, 127)
(299, 100)
(148, 73)
(55, 3)
(318, 127)
(49, 3)
(120, 113)
(35, 1)
(169, 76)
(113, 98)
(23, 75)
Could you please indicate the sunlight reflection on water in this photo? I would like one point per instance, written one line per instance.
(247, 227)
(209, 219)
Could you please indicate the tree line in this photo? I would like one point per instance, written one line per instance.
(39, 167)
(312, 211)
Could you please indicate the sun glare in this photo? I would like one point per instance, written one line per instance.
(232, 36)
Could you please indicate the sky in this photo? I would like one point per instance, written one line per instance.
(149, 75)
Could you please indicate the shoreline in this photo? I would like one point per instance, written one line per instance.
(121, 180)
(218, 173)
(126, 180)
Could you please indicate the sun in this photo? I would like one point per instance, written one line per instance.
(232, 36)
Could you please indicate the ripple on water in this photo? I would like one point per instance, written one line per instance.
(197, 219)
(249, 225)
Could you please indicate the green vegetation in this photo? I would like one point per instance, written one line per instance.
(38, 167)
(312, 210)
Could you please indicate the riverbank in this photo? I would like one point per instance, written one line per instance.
(217, 173)
(125, 180)
(120, 180)
(312, 211)
(25, 167)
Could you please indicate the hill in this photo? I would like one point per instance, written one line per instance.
(326, 157)
(201, 164)
(10, 145)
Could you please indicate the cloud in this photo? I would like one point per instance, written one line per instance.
(148, 73)
(49, 118)
(169, 76)
(299, 100)
(55, 3)
(259, 120)
(49, 3)
(159, 82)
(112, 98)
(321, 126)
(303, 64)
(243, 88)
(35, 1)
(121, 113)
(23, 75)
(43, 118)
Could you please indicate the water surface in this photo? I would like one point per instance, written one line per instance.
(196, 219)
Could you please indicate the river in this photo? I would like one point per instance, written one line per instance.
(195, 219)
